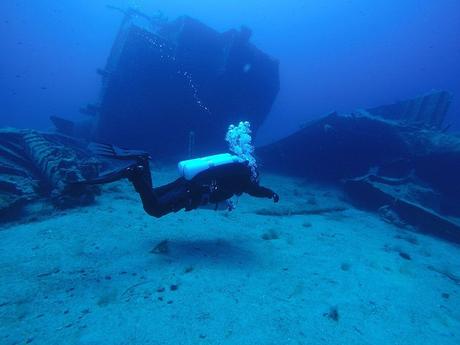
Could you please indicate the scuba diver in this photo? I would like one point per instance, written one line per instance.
(209, 181)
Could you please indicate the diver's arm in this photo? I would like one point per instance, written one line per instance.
(262, 192)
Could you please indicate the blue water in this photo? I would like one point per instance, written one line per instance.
(334, 55)
(335, 261)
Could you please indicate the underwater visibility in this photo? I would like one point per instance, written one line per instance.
(229, 172)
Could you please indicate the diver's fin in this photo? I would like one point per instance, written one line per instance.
(111, 176)
(114, 152)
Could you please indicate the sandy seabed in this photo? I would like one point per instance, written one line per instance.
(263, 274)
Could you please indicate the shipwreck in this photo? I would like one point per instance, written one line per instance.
(173, 87)
(396, 159)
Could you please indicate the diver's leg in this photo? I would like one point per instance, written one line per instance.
(139, 175)
(160, 201)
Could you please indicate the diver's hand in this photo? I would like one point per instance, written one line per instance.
(275, 197)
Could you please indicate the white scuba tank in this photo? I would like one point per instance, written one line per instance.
(192, 167)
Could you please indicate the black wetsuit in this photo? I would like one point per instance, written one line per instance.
(212, 186)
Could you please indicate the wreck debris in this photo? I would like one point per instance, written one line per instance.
(298, 212)
(428, 111)
(35, 165)
(335, 147)
(446, 272)
(347, 145)
(54, 163)
(396, 160)
(408, 206)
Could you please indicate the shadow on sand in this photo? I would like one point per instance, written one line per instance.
(217, 251)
